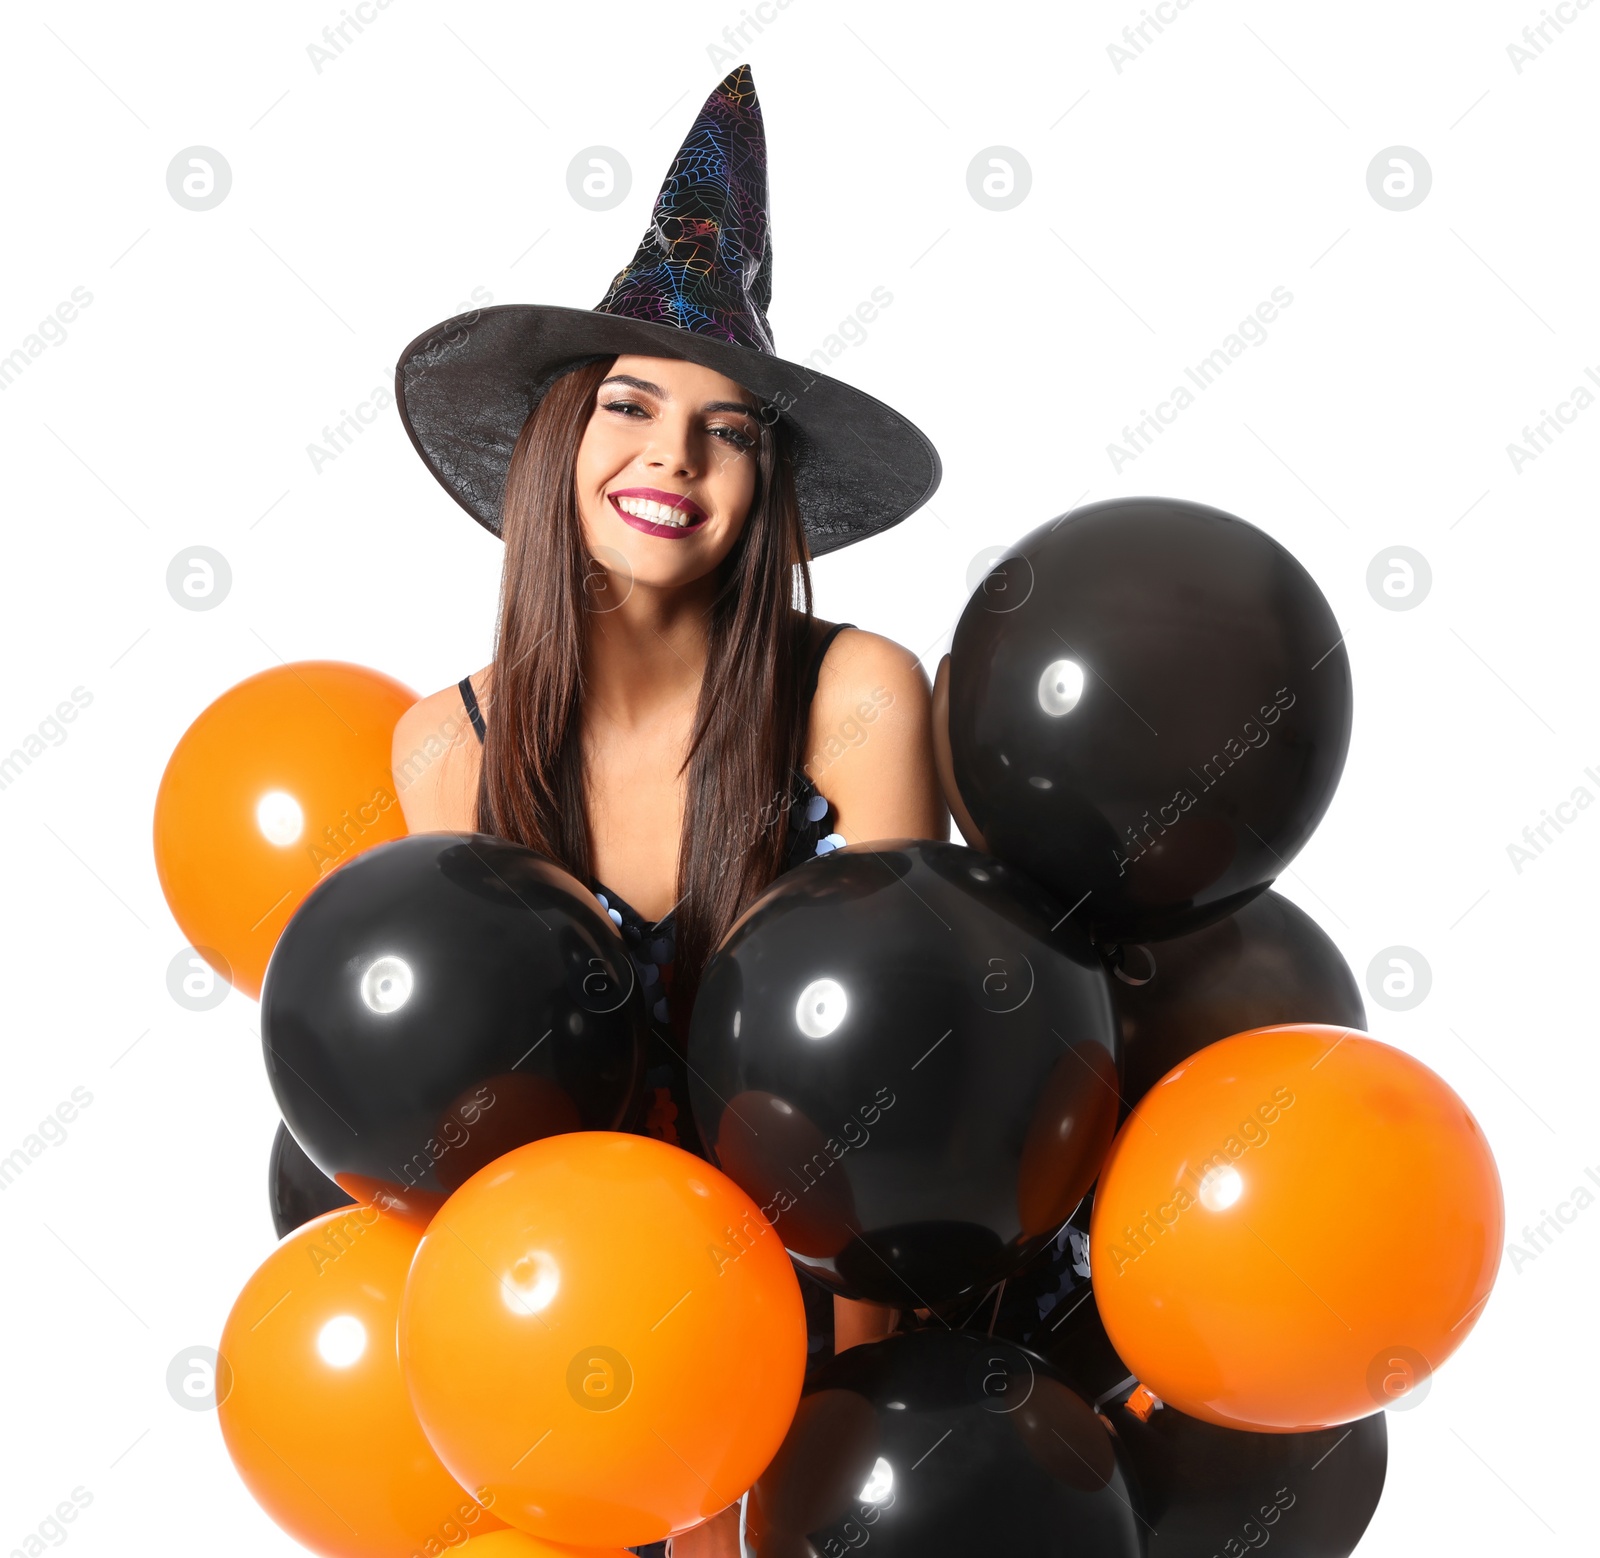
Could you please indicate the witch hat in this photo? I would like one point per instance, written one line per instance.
(698, 288)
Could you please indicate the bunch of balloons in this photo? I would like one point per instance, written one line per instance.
(918, 1058)
(1086, 1105)
(497, 1313)
(570, 1347)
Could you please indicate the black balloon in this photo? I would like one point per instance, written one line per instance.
(1202, 1490)
(441, 999)
(1268, 963)
(297, 1190)
(939, 1443)
(1150, 707)
(904, 1052)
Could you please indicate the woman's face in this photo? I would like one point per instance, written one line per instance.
(666, 471)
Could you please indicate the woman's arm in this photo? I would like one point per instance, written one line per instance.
(872, 754)
(871, 746)
(942, 760)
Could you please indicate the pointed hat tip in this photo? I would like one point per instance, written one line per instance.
(737, 88)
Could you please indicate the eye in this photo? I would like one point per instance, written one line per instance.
(736, 436)
(621, 406)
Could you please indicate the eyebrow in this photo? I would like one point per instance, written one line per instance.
(661, 394)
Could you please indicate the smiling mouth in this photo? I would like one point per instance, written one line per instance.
(655, 517)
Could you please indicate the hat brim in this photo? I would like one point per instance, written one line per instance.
(466, 387)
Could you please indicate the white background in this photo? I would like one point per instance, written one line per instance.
(1168, 199)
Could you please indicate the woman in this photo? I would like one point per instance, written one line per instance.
(663, 715)
(674, 793)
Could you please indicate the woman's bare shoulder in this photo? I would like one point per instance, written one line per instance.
(435, 756)
(871, 740)
(863, 665)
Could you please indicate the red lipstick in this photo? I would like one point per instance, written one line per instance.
(694, 515)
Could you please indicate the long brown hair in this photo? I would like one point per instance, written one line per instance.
(747, 737)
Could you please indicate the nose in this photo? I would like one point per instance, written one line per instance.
(671, 448)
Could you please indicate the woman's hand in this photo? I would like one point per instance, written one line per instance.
(856, 1321)
(718, 1537)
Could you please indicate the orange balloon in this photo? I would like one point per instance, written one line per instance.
(1294, 1226)
(281, 779)
(603, 1333)
(518, 1544)
(317, 1419)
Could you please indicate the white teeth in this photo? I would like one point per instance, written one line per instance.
(656, 513)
